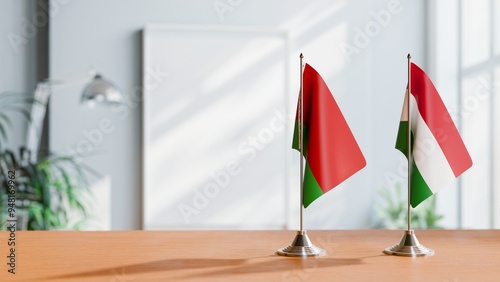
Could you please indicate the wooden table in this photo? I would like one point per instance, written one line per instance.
(247, 256)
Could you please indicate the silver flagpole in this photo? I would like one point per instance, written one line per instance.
(301, 140)
(301, 245)
(409, 139)
(409, 245)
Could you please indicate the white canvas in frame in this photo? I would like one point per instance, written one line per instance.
(215, 129)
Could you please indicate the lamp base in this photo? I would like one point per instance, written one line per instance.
(409, 247)
(301, 247)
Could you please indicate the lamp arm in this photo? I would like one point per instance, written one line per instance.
(72, 81)
(98, 88)
(38, 111)
(63, 83)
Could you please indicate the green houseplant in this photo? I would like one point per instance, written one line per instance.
(50, 192)
(392, 212)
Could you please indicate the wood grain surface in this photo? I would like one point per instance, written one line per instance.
(353, 255)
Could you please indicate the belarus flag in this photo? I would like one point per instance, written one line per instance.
(439, 154)
(331, 151)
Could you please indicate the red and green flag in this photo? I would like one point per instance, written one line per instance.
(439, 154)
(330, 149)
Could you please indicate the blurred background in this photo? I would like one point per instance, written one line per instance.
(200, 137)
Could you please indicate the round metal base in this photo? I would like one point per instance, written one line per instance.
(301, 247)
(409, 247)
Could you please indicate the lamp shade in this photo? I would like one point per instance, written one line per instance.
(101, 90)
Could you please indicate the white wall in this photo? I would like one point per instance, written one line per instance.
(468, 91)
(18, 57)
(369, 86)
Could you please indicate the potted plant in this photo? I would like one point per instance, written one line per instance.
(48, 192)
(393, 214)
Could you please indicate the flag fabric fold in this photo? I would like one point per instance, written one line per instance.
(330, 149)
(439, 154)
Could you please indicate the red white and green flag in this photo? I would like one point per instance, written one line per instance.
(439, 154)
(331, 152)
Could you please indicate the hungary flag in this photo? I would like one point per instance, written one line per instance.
(439, 154)
(330, 149)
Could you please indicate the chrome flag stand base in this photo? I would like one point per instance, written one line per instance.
(301, 247)
(409, 247)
